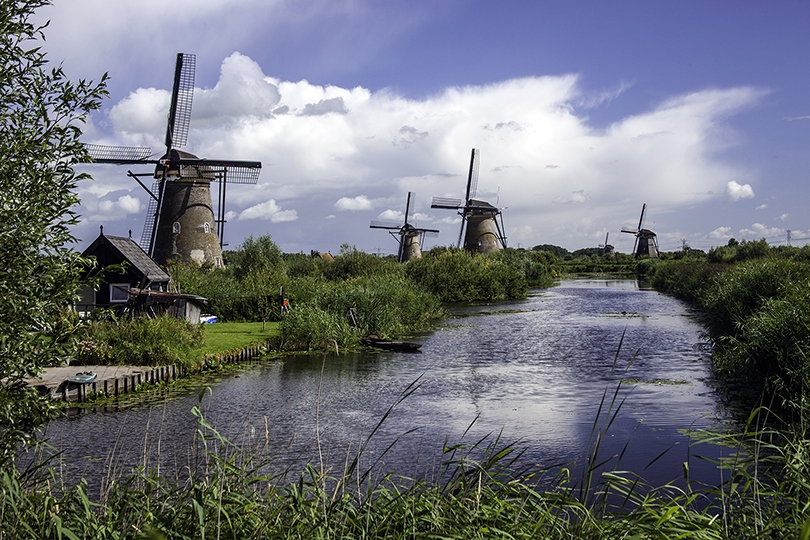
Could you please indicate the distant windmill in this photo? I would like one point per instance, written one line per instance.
(607, 249)
(479, 218)
(646, 243)
(180, 221)
(410, 238)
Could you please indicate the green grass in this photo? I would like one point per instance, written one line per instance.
(233, 335)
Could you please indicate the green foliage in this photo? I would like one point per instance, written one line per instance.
(758, 311)
(258, 257)
(617, 262)
(457, 276)
(40, 115)
(557, 251)
(351, 263)
(383, 306)
(140, 342)
(309, 327)
(480, 490)
(299, 265)
(739, 251)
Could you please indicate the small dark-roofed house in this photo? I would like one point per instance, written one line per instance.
(140, 272)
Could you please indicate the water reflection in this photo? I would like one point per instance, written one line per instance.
(533, 371)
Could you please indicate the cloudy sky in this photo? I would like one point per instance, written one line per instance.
(582, 112)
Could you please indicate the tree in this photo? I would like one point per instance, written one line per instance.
(40, 117)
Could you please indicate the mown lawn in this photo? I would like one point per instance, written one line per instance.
(231, 335)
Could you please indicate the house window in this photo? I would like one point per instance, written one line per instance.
(119, 292)
(207, 228)
(176, 227)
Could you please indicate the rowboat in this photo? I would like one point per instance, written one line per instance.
(82, 377)
(402, 346)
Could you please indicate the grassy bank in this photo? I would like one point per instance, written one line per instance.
(227, 336)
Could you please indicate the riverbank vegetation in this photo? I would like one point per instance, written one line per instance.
(479, 490)
(756, 302)
(333, 301)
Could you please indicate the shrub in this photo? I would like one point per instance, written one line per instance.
(309, 327)
(455, 275)
(351, 263)
(140, 342)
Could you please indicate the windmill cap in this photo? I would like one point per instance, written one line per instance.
(170, 162)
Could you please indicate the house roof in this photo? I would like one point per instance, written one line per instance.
(129, 251)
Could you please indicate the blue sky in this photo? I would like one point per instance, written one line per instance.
(582, 111)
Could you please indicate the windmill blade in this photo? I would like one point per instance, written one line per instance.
(427, 233)
(606, 238)
(629, 230)
(422, 231)
(151, 216)
(472, 177)
(385, 225)
(232, 171)
(182, 94)
(408, 206)
(444, 202)
(461, 230)
(119, 155)
(641, 219)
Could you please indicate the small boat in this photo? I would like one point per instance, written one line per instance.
(402, 346)
(83, 377)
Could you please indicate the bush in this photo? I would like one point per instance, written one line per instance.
(773, 341)
(457, 276)
(351, 263)
(140, 342)
(311, 327)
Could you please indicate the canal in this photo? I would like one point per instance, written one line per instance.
(531, 372)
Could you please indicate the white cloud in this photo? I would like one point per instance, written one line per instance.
(562, 179)
(268, 210)
(758, 230)
(720, 232)
(783, 217)
(361, 202)
(573, 198)
(761, 207)
(102, 210)
(392, 215)
(735, 191)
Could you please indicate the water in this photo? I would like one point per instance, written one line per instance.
(533, 371)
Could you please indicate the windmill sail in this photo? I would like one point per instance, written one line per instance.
(182, 97)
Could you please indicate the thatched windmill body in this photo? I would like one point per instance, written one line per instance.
(479, 219)
(410, 238)
(181, 223)
(646, 244)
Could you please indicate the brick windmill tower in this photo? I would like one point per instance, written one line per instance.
(181, 221)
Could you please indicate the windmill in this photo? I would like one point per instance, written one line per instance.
(410, 237)
(646, 243)
(180, 221)
(479, 218)
(607, 249)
